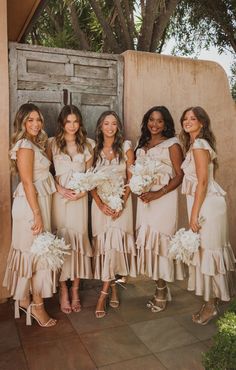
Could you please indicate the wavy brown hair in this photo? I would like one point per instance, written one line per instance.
(205, 132)
(20, 129)
(117, 145)
(81, 134)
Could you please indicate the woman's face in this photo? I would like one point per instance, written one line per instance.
(155, 123)
(33, 124)
(72, 124)
(191, 124)
(109, 126)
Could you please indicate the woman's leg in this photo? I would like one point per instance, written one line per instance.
(208, 311)
(114, 301)
(75, 301)
(36, 308)
(64, 298)
(160, 298)
(100, 308)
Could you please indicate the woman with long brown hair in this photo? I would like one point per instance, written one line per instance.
(71, 151)
(27, 280)
(113, 240)
(212, 271)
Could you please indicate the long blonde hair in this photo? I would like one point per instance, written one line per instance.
(81, 134)
(205, 132)
(20, 129)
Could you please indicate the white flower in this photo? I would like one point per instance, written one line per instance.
(183, 245)
(111, 189)
(83, 182)
(50, 250)
(144, 173)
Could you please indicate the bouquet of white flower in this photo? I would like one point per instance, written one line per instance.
(184, 244)
(111, 191)
(83, 182)
(144, 173)
(50, 250)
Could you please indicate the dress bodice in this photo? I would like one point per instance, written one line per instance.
(190, 180)
(65, 166)
(114, 167)
(42, 179)
(161, 152)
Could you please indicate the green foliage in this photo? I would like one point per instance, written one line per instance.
(233, 92)
(222, 355)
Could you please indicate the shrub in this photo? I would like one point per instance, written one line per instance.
(222, 355)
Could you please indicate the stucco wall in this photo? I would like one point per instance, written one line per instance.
(152, 79)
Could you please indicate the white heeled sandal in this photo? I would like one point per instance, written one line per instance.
(50, 323)
(154, 307)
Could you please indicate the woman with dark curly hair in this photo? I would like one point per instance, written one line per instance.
(113, 240)
(71, 151)
(212, 272)
(157, 208)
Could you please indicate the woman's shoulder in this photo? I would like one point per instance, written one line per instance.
(200, 143)
(170, 141)
(21, 144)
(91, 142)
(127, 145)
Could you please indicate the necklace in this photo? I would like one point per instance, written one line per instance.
(109, 148)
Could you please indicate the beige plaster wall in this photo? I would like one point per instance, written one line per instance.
(5, 202)
(152, 79)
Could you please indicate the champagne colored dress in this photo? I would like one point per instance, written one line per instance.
(212, 272)
(23, 269)
(70, 217)
(157, 221)
(113, 240)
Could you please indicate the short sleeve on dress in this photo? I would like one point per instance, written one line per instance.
(169, 142)
(127, 145)
(88, 152)
(20, 144)
(203, 144)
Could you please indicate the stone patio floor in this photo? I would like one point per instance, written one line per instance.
(128, 338)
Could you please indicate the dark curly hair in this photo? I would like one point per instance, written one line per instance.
(169, 128)
(117, 145)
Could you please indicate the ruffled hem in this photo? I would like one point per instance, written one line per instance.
(152, 258)
(114, 254)
(212, 273)
(189, 188)
(43, 187)
(79, 263)
(23, 268)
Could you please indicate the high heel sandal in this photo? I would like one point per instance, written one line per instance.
(113, 302)
(152, 303)
(101, 313)
(50, 323)
(75, 303)
(66, 307)
(197, 319)
(19, 308)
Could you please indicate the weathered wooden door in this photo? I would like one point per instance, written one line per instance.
(52, 77)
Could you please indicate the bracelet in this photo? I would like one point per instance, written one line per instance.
(164, 190)
(36, 211)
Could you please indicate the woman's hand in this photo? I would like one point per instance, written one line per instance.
(106, 209)
(116, 214)
(37, 227)
(194, 223)
(68, 193)
(148, 196)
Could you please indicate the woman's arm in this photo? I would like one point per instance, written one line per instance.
(176, 157)
(201, 159)
(102, 206)
(25, 164)
(129, 162)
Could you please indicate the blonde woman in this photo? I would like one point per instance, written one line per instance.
(28, 281)
(113, 240)
(71, 151)
(212, 273)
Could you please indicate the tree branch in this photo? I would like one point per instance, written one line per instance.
(124, 29)
(161, 23)
(146, 31)
(79, 34)
(111, 40)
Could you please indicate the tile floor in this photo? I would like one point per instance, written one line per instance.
(128, 338)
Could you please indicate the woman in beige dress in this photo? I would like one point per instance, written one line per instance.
(113, 240)
(71, 151)
(212, 271)
(31, 214)
(157, 208)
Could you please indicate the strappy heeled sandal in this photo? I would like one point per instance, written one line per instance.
(75, 303)
(101, 313)
(65, 306)
(114, 303)
(197, 318)
(152, 304)
(48, 324)
(19, 308)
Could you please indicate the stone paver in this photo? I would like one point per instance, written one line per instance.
(128, 338)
